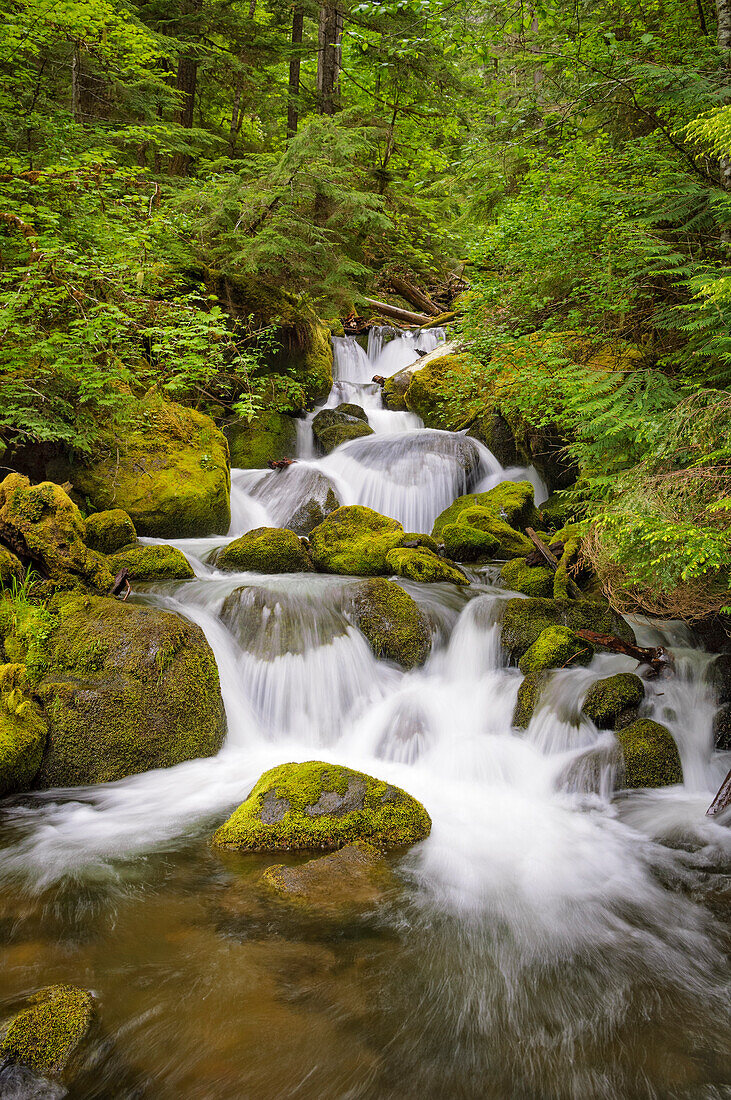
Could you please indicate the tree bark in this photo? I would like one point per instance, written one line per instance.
(414, 295)
(328, 58)
(396, 313)
(76, 84)
(298, 23)
(186, 84)
(723, 11)
(722, 800)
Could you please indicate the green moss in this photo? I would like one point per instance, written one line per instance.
(423, 565)
(332, 427)
(427, 389)
(318, 805)
(510, 501)
(354, 541)
(153, 563)
(266, 550)
(46, 1035)
(524, 620)
(109, 531)
(612, 703)
(394, 391)
(556, 647)
(314, 366)
(650, 755)
(391, 621)
(11, 568)
(26, 627)
(563, 578)
(349, 409)
(493, 430)
(348, 879)
(22, 734)
(556, 512)
(269, 436)
(520, 577)
(529, 694)
(129, 688)
(466, 543)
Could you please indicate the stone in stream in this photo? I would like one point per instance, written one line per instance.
(110, 531)
(331, 427)
(493, 430)
(720, 677)
(426, 388)
(528, 698)
(520, 577)
(395, 627)
(152, 563)
(269, 436)
(613, 703)
(650, 755)
(722, 728)
(556, 647)
(486, 525)
(47, 1035)
(352, 878)
(525, 619)
(265, 550)
(318, 805)
(423, 565)
(23, 732)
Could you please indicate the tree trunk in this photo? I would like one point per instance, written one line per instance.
(298, 23)
(76, 84)
(723, 11)
(397, 313)
(328, 58)
(414, 295)
(186, 85)
(235, 126)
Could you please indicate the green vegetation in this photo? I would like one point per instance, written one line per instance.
(46, 1036)
(392, 622)
(266, 550)
(650, 755)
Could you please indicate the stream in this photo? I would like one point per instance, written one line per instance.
(550, 939)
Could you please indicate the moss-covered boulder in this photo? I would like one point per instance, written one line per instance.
(317, 805)
(556, 512)
(348, 408)
(394, 391)
(269, 436)
(525, 619)
(423, 565)
(463, 542)
(613, 703)
(22, 733)
(395, 627)
(47, 1035)
(266, 550)
(11, 568)
(43, 526)
(332, 427)
(128, 689)
(169, 470)
(354, 541)
(485, 525)
(650, 755)
(529, 694)
(110, 531)
(511, 501)
(518, 576)
(556, 647)
(345, 881)
(492, 429)
(428, 392)
(153, 563)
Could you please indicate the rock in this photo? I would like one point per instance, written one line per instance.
(47, 1035)
(169, 471)
(525, 619)
(349, 879)
(556, 512)
(153, 563)
(313, 510)
(484, 525)
(424, 566)
(128, 688)
(392, 622)
(519, 577)
(430, 390)
(11, 568)
(109, 531)
(493, 430)
(528, 697)
(270, 435)
(719, 674)
(47, 531)
(269, 624)
(318, 805)
(722, 728)
(349, 409)
(265, 550)
(650, 755)
(331, 427)
(394, 391)
(555, 647)
(511, 501)
(22, 734)
(463, 542)
(354, 541)
(613, 703)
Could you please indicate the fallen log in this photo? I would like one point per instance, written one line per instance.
(280, 463)
(379, 379)
(398, 314)
(657, 658)
(412, 294)
(120, 585)
(722, 800)
(553, 563)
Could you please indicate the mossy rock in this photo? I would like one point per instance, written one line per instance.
(613, 703)
(317, 805)
(525, 619)
(719, 673)
(153, 563)
(556, 512)
(347, 408)
(22, 734)
(493, 430)
(427, 390)
(109, 531)
(128, 689)
(556, 647)
(480, 526)
(45, 522)
(424, 566)
(47, 1035)
(394, 391)
(510, 501)
(463, 542)
(332, 427)
(354, 541)
(169, 470)
(650, 755)
(518, 576)
(395, 627)
(269, 436)
(345, 881)
(722, 728)
(265, 550)
(268, 624)
(529, 694)
(11, 568)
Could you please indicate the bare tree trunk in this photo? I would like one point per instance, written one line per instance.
(235, 126)
(298, 24)
(723, 11)
(328, 62)
(701, 16)
(186, 85)
(76, 84)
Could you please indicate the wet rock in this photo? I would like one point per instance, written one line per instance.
(613, 703)
(556, 647)
(722, 728)
(299, 497)
(485, 525)
(650, 755)
(317, 805)
(428, 387)
(520, 577)
(11, 568)
(467, 542)
(394, 391)
(22, 732)
(269, 624)
(354, 541)
(347, 408)
(110, 531)
(720, 677)
(47, 1035)
(556, 512)
(493, 430)
(270, 435)
(392, 622)
(529, 694)
(127, 689)
(511, 501)
(266, 550)
(331, 427)
(153, 563)
(525, 619)
(353, 878)
(424, 566)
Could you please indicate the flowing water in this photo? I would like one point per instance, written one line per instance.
(549, 939)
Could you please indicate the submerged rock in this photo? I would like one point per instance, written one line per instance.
(318, 805)
(153, 563)
(421, 564)
(556, 647)
(110, 531)
(528, 698)
(47, 1035)
(650, 755)
(613, 703)
(269, 624)
(525, 619)
(22, 734)
(269, 436)
(299, 497)
(392, 622)
(266, 550)
(352, 878)
(128, 688)
(331, 427)
(532, 581)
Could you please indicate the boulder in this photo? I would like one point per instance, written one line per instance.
(22, 734)
(127, 689)
(722, 728)
(511, 501)
(153, 563)
(463, 542)
(556, 512)
(525, 619)
(47, 1035)
(492, 429)
(613, 703)
(650, 755)
(169, 471)
(268, 624)
(394, 391)
(11, 568)
(350, 879)
(110, 531)
(433, 395)
(354, 541)
(317, 805)
(720, 677)
(331, 427)
(269, 436)
(265, 550)
(485, 525)
(555, 647)
(395, 627)
(46, 530)
(420, 564)
(347, 408)
(518, 576)
(529, 694)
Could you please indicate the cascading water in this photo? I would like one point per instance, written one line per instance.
(549, 939)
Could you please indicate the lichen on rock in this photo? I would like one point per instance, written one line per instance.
(613, 703)
(266, 550)
(47, 1035)
(395, 627)
(11, 568)
(650, 755)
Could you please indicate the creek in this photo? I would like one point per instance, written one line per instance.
(550, 939)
